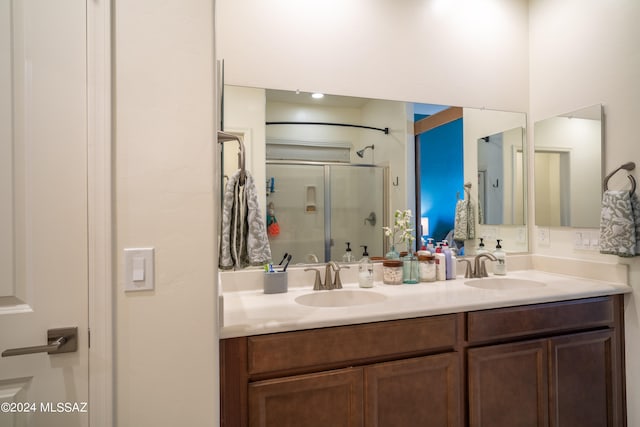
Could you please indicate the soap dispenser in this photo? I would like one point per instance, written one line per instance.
(481, 249)
(365, 270)
(347, 257)
(500, 267)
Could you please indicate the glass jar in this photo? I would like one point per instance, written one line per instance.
(427, 268)
(392, 254)
(410, 271)
(392, 272)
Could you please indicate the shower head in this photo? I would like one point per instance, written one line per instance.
(360, 153)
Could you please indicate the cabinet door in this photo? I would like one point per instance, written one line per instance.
(422, 392)
(508, 385)
(333, 398)
(582, 380)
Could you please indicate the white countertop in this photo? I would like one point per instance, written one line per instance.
(251, 312)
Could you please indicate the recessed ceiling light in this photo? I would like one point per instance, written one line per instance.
(317, 95)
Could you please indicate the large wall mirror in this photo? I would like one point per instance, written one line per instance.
(568, 169)
(332, 170)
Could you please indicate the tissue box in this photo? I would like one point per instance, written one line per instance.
(276, 282)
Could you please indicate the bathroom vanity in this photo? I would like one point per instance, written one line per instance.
(557, 360)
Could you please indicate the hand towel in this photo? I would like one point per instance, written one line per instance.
(620, 223)
(243, 235)
(465, 221)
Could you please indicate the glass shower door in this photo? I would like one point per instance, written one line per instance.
(297, 203)
(356, 210)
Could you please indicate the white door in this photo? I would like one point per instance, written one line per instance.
(43, 209)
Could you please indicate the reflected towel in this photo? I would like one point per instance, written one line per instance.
(465, 221)
(620, 224)
(243, 235)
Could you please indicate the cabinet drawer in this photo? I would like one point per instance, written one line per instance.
(524, 321)
(334, 347)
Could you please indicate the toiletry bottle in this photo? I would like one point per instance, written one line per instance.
(481, 249)
(430, 247)
(441, 268)
(500, 267)
(347, 257)
(423, 251)
(450, 260)
(365, 270)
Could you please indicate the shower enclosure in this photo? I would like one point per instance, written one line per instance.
(321, 206)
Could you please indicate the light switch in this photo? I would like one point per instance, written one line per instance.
(138, 269)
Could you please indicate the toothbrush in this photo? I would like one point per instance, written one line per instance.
(283, 258)
(287, 264)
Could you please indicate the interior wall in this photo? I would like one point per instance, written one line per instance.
(441, 173)
(166, 339)
(414, 50)
(584, 52)
(437, 45)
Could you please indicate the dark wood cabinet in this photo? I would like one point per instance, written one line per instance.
(324, 399)
(422, 392)
(583, 380)
(567, 379)
(557, 364)
(508, 385)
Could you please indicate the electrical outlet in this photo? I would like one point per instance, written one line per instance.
(544, 238)
(521, 235)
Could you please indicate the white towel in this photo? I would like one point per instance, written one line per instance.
(243, 235)
(465, 221)
(620, 224)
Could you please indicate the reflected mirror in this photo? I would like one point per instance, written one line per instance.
(501, 178)
(333, 169)
(568, 169)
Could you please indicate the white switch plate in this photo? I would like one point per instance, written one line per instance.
(138, 269)
(544, 238)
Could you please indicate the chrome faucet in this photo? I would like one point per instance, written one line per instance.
(479, 267)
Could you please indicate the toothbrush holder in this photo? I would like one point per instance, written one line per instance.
(275, 282)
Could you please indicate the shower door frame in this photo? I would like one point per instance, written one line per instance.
(327, 195)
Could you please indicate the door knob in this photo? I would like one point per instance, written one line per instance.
(60, 340)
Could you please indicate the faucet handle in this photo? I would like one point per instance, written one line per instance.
(317, 284)
(337, 282)
(468, 273)
(483, 269)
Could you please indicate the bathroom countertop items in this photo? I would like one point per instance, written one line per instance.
(243, 237)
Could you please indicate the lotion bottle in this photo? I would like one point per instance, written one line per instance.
(500, 267)
(347, 257)
(365, 271)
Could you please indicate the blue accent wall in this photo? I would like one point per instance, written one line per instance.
(441, 176)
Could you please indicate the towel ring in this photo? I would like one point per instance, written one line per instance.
(628, 167)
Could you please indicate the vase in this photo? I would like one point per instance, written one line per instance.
(392, 254)
(410, 269)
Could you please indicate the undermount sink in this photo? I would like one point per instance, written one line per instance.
(340, 298)
(504, 283)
